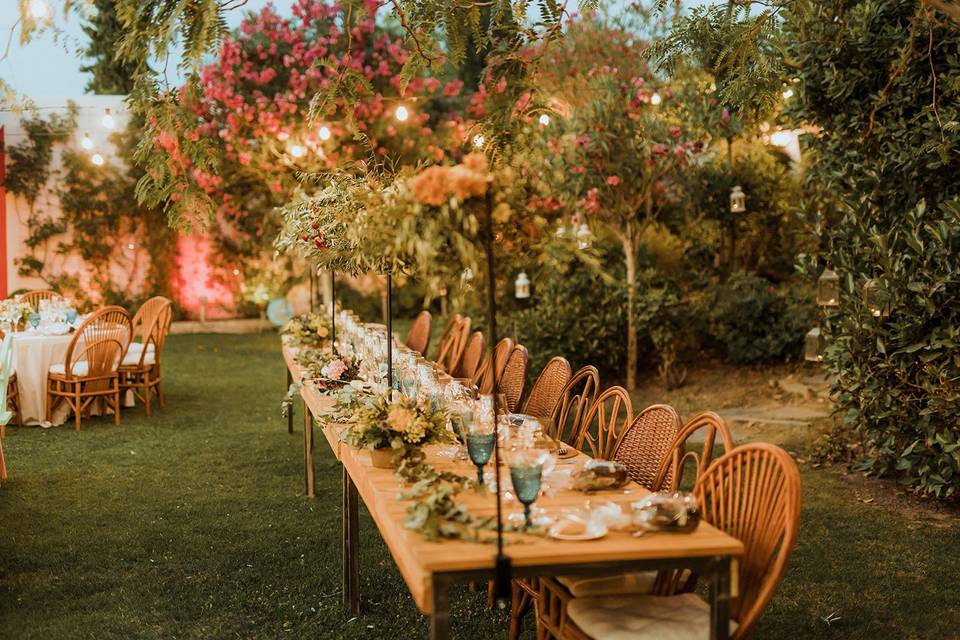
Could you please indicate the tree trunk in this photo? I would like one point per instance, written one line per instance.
(629, 252)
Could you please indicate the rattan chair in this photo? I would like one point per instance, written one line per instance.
(605, 423)
(451, 348)
(670, 474)
(13, 396)
(647, 442)
(575, 402)
(34, 297)
(6, 369)
(483, 378)
(418, 338)
(514, 377)
(454, 320)
(472, 354)
(753, 494)
(140, 369)
(547, 390)
(89, 370)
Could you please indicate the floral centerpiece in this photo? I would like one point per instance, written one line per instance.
(13, 311)
(308, 330)
(395, 429)
(326, 369)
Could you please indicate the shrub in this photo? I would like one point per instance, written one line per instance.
(750, 321)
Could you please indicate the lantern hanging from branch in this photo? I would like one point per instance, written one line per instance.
(814, 346)
(738, 200)
(521, 286)
(584, 237)
(876, 299)
(828, 288)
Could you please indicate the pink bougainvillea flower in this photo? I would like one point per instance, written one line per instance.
(613, 180)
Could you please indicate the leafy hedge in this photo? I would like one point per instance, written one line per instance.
(878, 80)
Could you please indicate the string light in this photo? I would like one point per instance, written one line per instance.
(478, 140)
(788, 94)
(324, 133)
(298, 150)
(39, 9)
(86, 143)
(131, 246)
(236, 272)
(401, 113)
(97, 159)
(780, 138)
(108, 122)
(655, 99)
(545, 120)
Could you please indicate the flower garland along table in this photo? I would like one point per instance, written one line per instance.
(429, 568)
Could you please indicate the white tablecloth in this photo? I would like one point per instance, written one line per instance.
(33, 355)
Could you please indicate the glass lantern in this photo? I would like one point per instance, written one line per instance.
(738, 200)
(521, 286)
(876, 299)
(814, 345)
(828, 288)
(584, 237)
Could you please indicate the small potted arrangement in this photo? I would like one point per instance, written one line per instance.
(394, 428)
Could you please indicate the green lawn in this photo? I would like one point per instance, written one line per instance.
(193, 525)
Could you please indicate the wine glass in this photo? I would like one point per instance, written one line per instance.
(481, 435)
(526, 474)
(34, 320)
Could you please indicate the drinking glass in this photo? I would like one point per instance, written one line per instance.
(480, 445)
(34, 320)
(526, 486)
(70, 315)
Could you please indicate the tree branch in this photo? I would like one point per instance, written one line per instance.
(945, 6)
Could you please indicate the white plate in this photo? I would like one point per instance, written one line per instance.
(594, 531)
(58, 329)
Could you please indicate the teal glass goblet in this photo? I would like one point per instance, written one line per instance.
(480, 447)
(70, 315)
(34, 320)
(526, 479)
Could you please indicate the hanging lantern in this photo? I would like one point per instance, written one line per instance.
(584, 237)
(738, 200)
(814, 346)
(876, 299)
(828, 288)
(521, 286)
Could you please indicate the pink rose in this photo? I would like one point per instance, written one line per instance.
(613, 180)
(674, 131)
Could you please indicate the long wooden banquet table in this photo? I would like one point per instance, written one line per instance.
(430, 568)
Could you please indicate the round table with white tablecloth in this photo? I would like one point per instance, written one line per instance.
(33, 355)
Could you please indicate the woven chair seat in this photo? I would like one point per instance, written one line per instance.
(682, 617)
(137, 348)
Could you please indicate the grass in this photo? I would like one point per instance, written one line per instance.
(193, 525)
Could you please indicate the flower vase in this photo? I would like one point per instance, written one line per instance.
(382, 458)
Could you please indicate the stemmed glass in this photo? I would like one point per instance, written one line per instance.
(481, 436)
(526, 474)
(34, 320)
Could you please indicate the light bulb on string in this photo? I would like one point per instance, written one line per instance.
(131, 246)
(108, 122)
(545, 120)
(788, 94)
(478, 140)
(86, 142)
(298, 150)
(655, 99)
(401, 113)
(97, 159)
(324, 133)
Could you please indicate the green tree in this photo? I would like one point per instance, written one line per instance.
(111, 75)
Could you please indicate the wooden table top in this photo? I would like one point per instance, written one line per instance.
(418, 559)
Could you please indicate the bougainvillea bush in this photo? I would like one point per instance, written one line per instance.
(254, 105)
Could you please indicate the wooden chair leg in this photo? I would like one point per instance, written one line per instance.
(78, 412)
(146, 392)
(520, 602)
(116, 403)
(160, 399)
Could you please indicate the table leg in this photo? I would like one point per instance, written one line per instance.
(308, 450)
(290, 412)
(440, 620)
(720, 599)
(350, 542)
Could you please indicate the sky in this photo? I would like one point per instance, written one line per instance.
(47, 67)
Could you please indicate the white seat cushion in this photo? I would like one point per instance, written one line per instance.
(133, 359)
(137, 347)
(79, 369)
(624, 584)
(682, 617)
